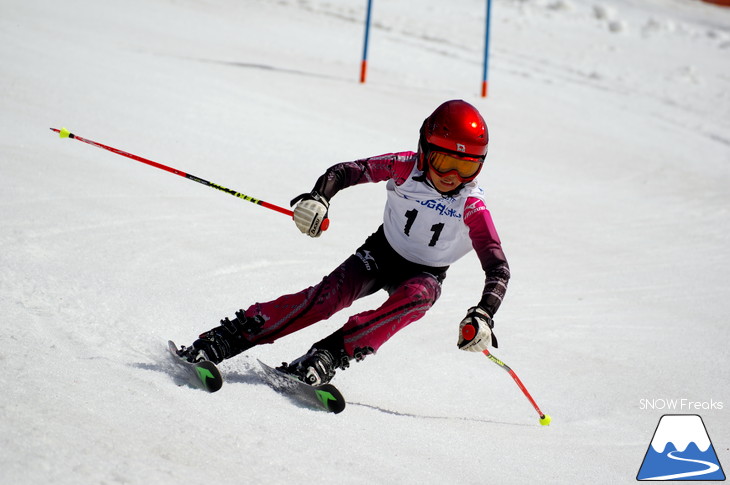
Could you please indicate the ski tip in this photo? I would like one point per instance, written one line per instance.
(209, 375)
(331, 397)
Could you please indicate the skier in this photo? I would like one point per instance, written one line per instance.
(435, 213)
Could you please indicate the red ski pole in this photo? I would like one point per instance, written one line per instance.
(544, 418)
(64, 133)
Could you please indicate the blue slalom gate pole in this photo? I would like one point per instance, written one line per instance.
(364, 64)
(485, 79)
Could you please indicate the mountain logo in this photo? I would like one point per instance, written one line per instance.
(681, 450)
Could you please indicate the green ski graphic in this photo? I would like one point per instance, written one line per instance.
(325, 397)
(204, 374)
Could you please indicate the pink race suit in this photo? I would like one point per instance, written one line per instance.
(412, 276)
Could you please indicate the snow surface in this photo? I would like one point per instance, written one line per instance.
(607, 176)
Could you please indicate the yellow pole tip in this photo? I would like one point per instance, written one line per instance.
(545, 420)
(64, 133)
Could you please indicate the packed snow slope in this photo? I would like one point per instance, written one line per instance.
(607, 177)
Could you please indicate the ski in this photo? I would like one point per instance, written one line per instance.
(326, 397)
(204, 374)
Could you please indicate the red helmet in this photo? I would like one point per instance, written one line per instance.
(456, 127)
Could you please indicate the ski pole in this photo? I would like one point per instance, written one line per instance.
(544, 418)
(64, 133)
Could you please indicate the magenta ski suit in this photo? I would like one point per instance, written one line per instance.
(393, 258)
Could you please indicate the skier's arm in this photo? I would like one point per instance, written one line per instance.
(373, 169)
(475, 331)
(488, 247)
(311, 209)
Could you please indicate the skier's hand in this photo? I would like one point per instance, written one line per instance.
(310, 212)
(475, 331)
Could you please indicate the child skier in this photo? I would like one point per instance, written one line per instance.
(435, 213)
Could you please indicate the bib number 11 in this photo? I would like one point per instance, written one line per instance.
(411, 218)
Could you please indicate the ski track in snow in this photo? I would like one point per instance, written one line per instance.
(438, 418)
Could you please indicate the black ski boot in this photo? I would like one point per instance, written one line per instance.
(223, 342)
(317, 366)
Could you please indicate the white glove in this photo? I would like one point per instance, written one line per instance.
(310, 212)
(475, 331)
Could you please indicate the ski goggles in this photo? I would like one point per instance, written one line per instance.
(466, 168)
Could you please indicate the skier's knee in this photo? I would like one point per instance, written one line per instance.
(426, 290)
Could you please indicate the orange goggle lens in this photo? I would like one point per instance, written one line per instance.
(445, 163)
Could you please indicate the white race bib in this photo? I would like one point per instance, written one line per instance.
(425, 227)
